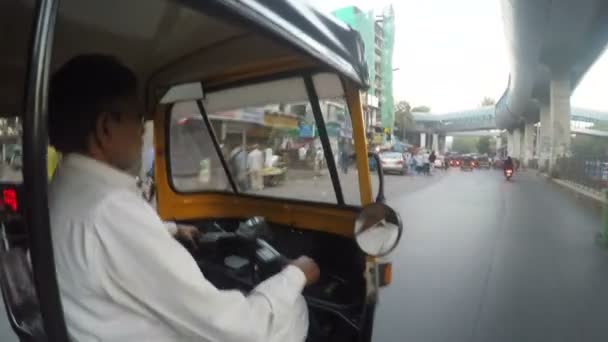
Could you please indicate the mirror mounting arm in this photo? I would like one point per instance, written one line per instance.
(380, 198)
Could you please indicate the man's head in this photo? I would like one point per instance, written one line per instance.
(93, 110)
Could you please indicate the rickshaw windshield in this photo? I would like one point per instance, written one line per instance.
(268, 142)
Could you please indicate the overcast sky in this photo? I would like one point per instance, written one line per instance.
(451, 54)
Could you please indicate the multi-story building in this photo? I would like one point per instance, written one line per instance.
(377, 31)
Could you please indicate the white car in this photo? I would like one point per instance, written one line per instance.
(393, 162)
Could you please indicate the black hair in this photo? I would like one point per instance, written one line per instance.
(80, 91)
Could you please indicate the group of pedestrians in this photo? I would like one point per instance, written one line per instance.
(422, 162)
(247, 167)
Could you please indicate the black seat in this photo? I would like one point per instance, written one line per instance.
(20, 298)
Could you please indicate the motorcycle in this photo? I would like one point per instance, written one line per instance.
(508, 174)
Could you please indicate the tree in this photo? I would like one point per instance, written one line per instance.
(464, 144)
(403, 117)
(483, 145)
(402, 107)
(589, 147)
(422, 109)
(602, 126)
(487, 101)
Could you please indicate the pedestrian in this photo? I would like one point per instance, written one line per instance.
(432, 159)
(302, 153)
(345, 156)
(318, 160)
(419, 163)
(408, 160)
(255, 163)
(427, 163)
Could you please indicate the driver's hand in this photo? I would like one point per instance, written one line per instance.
(309, 267)
(188, 234)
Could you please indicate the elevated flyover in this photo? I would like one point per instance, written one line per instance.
(551, 45)
(430, 129)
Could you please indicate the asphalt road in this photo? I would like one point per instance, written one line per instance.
(487, 260)
(308, 187)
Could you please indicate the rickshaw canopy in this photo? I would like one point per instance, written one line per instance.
(174, 42)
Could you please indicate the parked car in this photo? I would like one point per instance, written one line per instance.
(483, 163)
(393, 162)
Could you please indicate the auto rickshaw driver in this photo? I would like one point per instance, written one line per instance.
(121, 275)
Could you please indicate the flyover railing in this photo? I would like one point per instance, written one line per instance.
(590, 173)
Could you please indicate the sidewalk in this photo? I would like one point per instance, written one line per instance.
(580, 190)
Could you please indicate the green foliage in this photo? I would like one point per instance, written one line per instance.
(403, 117)
(483, 145)
(402, 107)
(487, 101)
(589, 146)
(465, 144)
(602, 126)
(422, 109)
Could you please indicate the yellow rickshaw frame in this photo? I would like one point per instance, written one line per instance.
(329, 218)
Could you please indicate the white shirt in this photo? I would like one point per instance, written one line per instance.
(319, 155)
(255, 160)
(302, 153)
(122, 276)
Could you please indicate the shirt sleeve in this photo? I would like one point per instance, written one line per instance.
(147, 271)
(171, 227)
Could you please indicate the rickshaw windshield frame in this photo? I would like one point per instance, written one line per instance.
(312, 97)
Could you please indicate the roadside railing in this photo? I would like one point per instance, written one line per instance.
(590, 173)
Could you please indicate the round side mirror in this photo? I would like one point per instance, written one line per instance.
(378, 229)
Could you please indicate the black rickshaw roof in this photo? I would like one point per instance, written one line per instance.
(310, 30)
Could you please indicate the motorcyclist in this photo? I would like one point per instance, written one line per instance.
(508, 165)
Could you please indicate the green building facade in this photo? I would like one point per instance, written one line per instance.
(378, 33)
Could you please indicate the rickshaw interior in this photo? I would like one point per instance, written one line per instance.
(194, 60)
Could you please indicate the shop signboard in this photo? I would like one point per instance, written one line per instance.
(307, 131)
(250, 115)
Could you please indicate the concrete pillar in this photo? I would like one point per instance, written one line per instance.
(514, 140)
(422, 140)
(544, 138)
(435, 143)
(509, 143)
(537, 143)
(442, 144)
(528, 144)
(498, 143)
(560, 117)
(517, 138)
